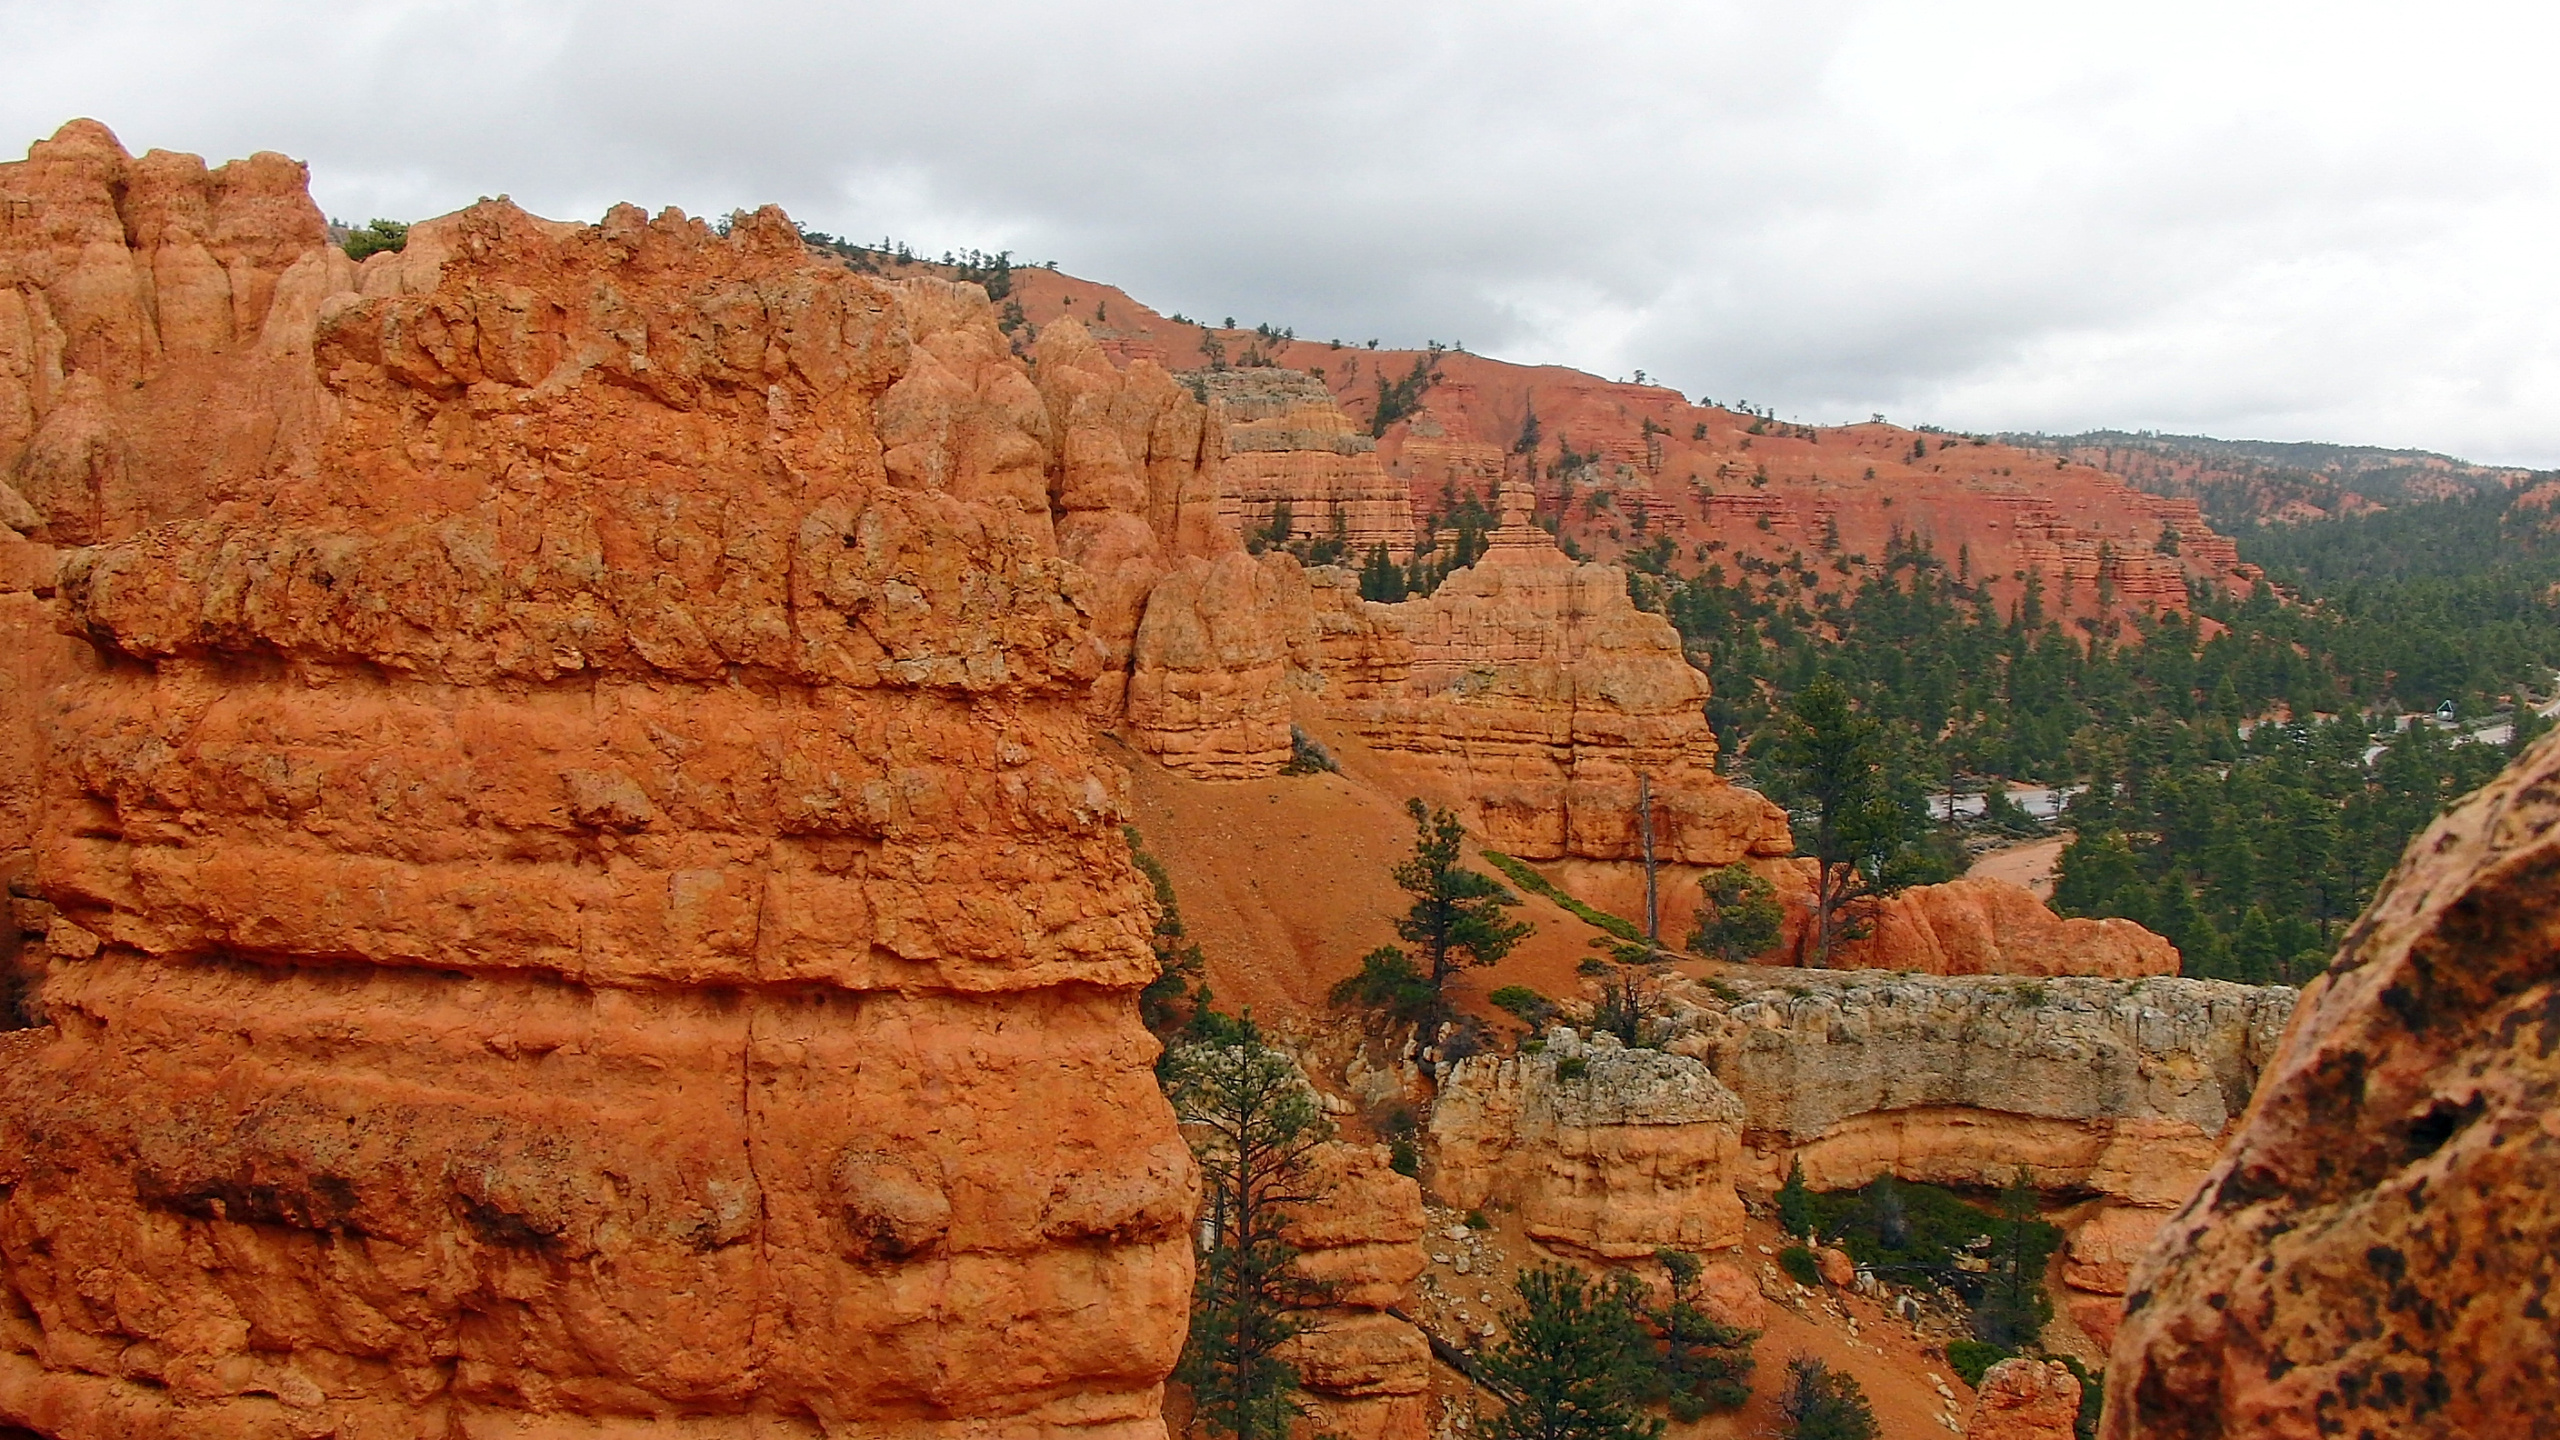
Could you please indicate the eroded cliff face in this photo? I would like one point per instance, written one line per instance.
(1288, 443)
(586, 901)
(1610, 1151)
(1366, 1369)
(2376, 1250)
(155, 329)
(2116, 1091)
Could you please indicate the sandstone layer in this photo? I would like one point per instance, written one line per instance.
(1365, 1368)
(1610, 1151)
(586, 901)
(2375, 1252)
(1288, 443)
(1532, 694)
(2106, 1087)
(155, 331)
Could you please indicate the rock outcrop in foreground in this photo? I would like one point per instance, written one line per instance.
(586, 903)
(2377, 1251)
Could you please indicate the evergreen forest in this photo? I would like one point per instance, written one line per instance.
(2245, 775)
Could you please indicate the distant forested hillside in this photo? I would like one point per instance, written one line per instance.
(2246, 482)
(2235, 798)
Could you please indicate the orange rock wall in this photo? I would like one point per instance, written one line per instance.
(1529, 692)
(1367, 1372)
(2377, 1248)
(587, 903)
(1287, 442)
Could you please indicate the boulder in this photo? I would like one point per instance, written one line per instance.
(2376, 1249)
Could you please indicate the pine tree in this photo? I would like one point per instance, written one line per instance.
(1820, 1403)
(1699, 1366)
(1862, 821)
(1571, 1361)
(1455, 921)
(2014, 1306)
(1253, 1124)
(1795, 1202)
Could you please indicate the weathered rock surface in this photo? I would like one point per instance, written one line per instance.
(2121, 1088)
(586, 902)
(1530, 692)
(1603, 1149)
(155, 329)
(2025, 1399)
(1288, 443)
(1367, 1372)
(2375, 1252)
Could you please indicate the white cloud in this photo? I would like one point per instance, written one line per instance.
(2299, 220)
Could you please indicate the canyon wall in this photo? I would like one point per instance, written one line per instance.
(2376, 1250)
(2114, 1091)
(1366, 1369)
(582, 897)
(1610, 1151)
(1288, 443)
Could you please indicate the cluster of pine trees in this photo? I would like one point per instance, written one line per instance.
(2248, 842)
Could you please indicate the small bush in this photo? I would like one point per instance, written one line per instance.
(377, 236)
(1738, 915)
(1389, 983)
(1403, 1158)
(1524, 1004)
(1820, 1403)
(1800, 1265)
(1476, 1221)
(1572, 1067)
(1973, 1358)
(1307, 756)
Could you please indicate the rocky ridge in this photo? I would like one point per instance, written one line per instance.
(2119, 1090)
(582, 892)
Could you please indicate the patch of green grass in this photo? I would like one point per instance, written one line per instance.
(1537, 884)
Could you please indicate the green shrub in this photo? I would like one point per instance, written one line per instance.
(377, 236)
(1537, 884)
(1972, 1358)
(1390, 983)
(1800, 1266)
(1572, 1067)
(1738, 915)
(1795, 1202)
(1526, 1005)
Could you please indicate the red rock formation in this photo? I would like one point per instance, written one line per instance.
(1970, 926)
(2377, 1248)
(2025, 1400)
(155, 328)
(1705, 475)
(1531, 693)
(1287, 442)
(2099, 1261)
(587, 903)
(1367, 1372)
(1636, 1152)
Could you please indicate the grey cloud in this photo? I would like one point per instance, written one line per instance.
(2260, 217)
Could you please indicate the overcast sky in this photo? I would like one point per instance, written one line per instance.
(2331, 220)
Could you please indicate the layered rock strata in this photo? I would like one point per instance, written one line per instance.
(1366, 1369)
(1288, 443)
(1531, 693)
(2377, 1251)
(2117, 1090)
(155, 331)
(586, 904)
(1610, 1151)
